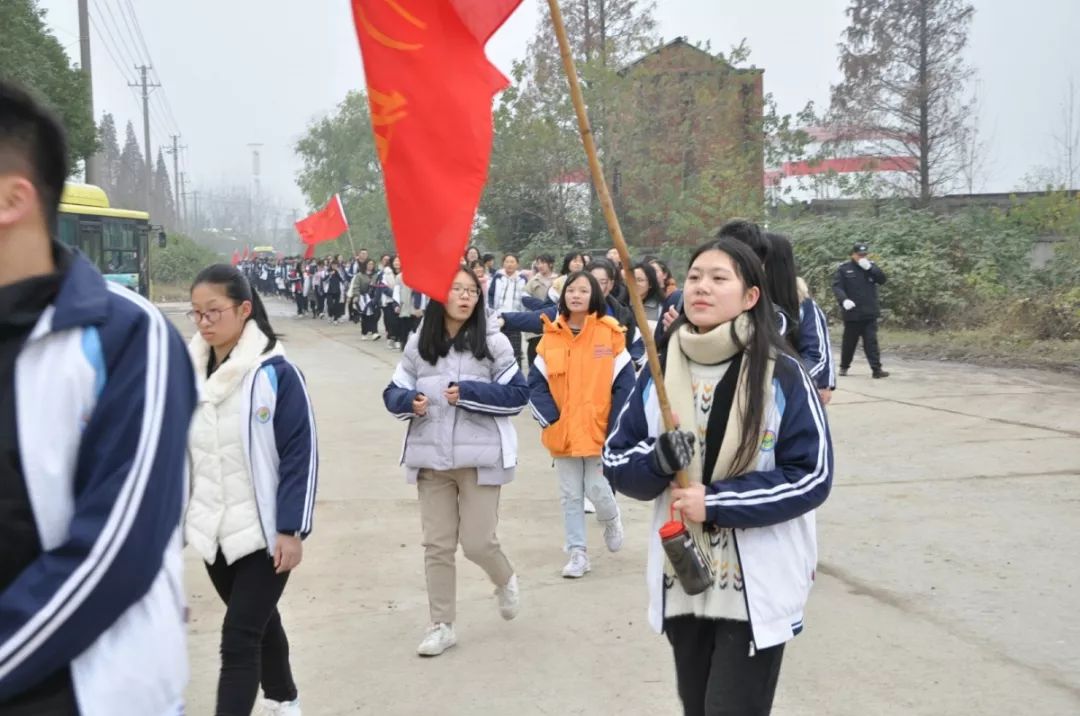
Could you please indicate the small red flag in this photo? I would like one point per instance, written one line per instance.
(324, 225)
(430, 88)
(235, 257)
(245, 252)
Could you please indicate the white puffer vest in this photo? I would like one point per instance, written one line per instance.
(223, 512)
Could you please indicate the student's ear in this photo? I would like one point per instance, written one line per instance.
(17, 199)
(751, 297)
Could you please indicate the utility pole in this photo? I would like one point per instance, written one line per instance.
(146, 87)
(84, 61)
(254, 198)
(182, 201)
(175, 152)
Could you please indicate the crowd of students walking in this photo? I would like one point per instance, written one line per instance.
(150, 444)
(747, 364)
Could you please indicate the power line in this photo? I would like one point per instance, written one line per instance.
(109, 45)
(132, 57)
(138, 30)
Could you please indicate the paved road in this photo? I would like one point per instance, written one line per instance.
(949, 578)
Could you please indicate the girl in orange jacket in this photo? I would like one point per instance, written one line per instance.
(582, 376)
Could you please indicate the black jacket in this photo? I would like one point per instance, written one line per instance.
(861, 286)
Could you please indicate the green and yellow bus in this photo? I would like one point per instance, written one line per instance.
(116, 240)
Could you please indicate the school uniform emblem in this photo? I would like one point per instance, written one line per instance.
(768, 441)
(263, 414)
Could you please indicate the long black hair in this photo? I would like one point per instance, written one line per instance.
(597, 305)
(746, 232)
(781, 278)
(765, 342)
(570, 257)
(654, 293)
(238, 288)
(434, 342)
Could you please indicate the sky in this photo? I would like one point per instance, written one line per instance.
(239, 72)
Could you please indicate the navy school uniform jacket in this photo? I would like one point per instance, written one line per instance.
(105, 393)
(815, 348)
(771, 508)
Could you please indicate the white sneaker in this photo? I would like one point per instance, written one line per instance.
(376, 337)
(281, 708)
(590, 508)
(509, 598)
(578, 566)
(613, 534)
(439, 638)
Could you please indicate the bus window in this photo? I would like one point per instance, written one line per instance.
(120, 249)
(68, 230)
(90, 239)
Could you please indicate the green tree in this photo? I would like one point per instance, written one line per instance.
(31, 55)
(904, 79)
(110, 156)
(338, 155)
(131, 178)
(164, 210)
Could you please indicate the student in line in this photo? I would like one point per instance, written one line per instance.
(604, 273)
(809, 337)
(96, 395)
(254, 468)
(755, 444)
(458, 384)
(648, 288)
(581, 377)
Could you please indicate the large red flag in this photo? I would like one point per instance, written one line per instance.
(324, 225)
(430, 88)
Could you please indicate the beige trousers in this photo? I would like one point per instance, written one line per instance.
(454, 508)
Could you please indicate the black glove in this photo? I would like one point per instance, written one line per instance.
(673, 451)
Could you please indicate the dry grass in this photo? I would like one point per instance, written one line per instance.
(983, 346)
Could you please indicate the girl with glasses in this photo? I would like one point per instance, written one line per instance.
(457, 386)
(254, 463)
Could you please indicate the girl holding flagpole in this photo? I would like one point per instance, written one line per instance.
(755, 444)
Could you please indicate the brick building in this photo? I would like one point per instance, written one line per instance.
(684, 144)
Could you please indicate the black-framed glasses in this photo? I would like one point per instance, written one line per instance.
(212, 316)
(460, 290)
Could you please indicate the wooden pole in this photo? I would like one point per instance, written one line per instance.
(613, 222)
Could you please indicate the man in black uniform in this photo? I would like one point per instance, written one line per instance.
(856, 288)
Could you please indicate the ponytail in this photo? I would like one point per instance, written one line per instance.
(238, 289)
(262, 320)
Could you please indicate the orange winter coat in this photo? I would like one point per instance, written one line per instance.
(573, 383)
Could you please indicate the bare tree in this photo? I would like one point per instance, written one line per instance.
(973, 155)
(1067, 140)
(903, 81)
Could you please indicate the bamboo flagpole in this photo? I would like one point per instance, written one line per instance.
(613, 222)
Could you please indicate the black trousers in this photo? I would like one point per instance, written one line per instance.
(515, 343)
(254, 648)
(301, 304)
(531, 345)
(405, 326)
(334, 307)
(715, 672)
(369, 325)
(866, 329)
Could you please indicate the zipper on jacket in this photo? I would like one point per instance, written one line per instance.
(745, 591)
(251, 463)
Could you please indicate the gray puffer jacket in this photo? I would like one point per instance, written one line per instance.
(476, 432)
